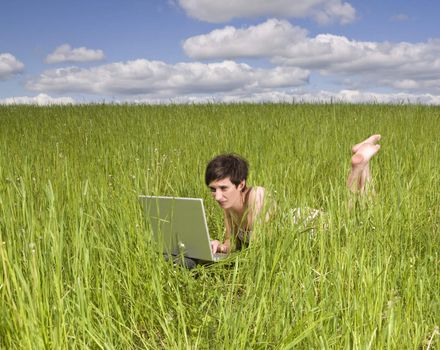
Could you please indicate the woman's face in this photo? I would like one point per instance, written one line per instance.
(226, 193)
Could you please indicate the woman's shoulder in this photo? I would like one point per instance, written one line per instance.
(259, 193)
(258, 199)
(261, 203)
(262, 199)
(256, 195)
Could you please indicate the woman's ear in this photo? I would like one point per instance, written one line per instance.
(242, 185)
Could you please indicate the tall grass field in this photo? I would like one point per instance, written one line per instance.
(79, 268)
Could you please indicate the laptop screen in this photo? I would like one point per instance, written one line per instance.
(178, 225)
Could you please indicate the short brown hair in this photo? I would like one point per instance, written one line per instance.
(227, 165)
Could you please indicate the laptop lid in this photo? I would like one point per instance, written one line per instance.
(179, 225)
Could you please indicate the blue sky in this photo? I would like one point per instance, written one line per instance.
(153, 51)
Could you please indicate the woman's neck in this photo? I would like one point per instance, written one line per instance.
(239, 208)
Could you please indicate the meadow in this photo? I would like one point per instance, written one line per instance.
(79, 269)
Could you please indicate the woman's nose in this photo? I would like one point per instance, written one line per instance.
(218, 195)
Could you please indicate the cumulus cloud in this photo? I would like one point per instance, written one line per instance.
(40, 100)
(322, 11)
(357, 96)
(9, 66)
(160, 79)
(65, 53)
(398, 65)
(286, 96)
(268, 96)
(266, 39)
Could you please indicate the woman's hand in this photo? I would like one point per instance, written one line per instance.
(216, 246)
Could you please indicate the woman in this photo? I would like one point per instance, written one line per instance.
(226, 177)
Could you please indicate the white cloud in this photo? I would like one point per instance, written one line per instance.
(322, 11)
(266, 39)
(356, 96)
(65, 53)
(404, 65)
(343, 96)
(9, 66)
(269, 96)
(160, 79)
(40, 100)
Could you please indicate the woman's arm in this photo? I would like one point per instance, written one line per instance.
(218, 247)
(226, 246)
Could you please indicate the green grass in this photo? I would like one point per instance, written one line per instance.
(79, 270)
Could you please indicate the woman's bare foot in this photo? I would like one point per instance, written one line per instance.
(373, 139)
(360, 172)
(364, 153)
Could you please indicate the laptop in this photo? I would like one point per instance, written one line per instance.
(179, 226)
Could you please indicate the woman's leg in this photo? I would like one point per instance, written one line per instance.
(360, 171)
